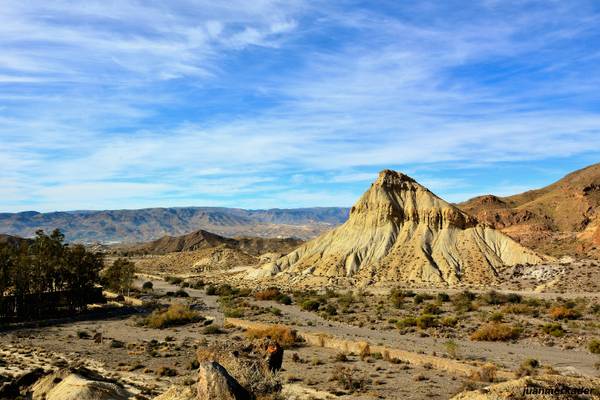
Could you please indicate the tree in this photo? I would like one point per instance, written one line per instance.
(119, 276)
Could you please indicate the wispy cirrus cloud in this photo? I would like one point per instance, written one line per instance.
(237, 103)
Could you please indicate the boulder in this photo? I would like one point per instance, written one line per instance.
(81, 384)
(214, 382)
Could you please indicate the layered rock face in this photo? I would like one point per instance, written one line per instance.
(562, 218)
(400, 231)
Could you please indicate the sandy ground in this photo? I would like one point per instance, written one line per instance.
(141, 352)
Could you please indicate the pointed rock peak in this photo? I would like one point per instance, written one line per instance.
(388, 177)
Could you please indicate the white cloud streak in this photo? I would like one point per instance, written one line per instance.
(82, 116)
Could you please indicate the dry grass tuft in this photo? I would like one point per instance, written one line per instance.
(285, 336)
(176, 314)
(496, 332)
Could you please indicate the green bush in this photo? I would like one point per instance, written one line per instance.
(432, 309)
(147, 285)
(176, 314)
(421, 297)
(329, 309)
(407, 322)
(494, 298)
(450, 321)
(212, 330)
(174, 280)
(426, 321)
(284, 299)
(233, 313)
(310, 305)
(211, 290)
(443, 297)
(553, 329)
(594, 346)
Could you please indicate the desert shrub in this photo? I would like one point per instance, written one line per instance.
(562, 312)
(594, 346)
(527, 368)
(450, 321)
(464, 301)
(426, 321)
(181, 293)
(83, 334)
(494, 298)
(199, 284)
(275, 311)
(486, 373)
(407, 322)
(176, 314)
(451, 348)
(211, 290)
(285, 336)
(310, 305)
(346, 299)
(174, 280)
(514, 298)
(147, 285)
(271, 293)
(284, 299)
(233, 312)
(350, 379)
(397, 297)
(116, 344)
(496, 317)
(496, 332)
(212, 330)
(329, 309)
(246, 363)
(553, 329)
(443, 297)
(341, 357)
(432, 309)
(421, 297)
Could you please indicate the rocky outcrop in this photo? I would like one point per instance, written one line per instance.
(400, 231)
(79, 384)
(214, 382)
(557, 219)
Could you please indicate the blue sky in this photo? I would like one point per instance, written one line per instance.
(259, 104)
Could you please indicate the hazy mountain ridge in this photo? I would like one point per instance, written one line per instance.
(153, 223)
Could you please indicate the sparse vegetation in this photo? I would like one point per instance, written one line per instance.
(350, 379)
(285, 336)
(594, 346)
(562, 312)
(496, 332)
(176, 314)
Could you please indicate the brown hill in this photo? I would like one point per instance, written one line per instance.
(12, 240)
(400, 231)
(201, 239)
(562, 218)
(201, 251)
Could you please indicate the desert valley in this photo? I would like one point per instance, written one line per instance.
(299, 200)
(410, 297)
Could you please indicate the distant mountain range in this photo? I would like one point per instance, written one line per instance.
(152, 223)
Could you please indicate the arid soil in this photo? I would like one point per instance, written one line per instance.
(148, 361)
